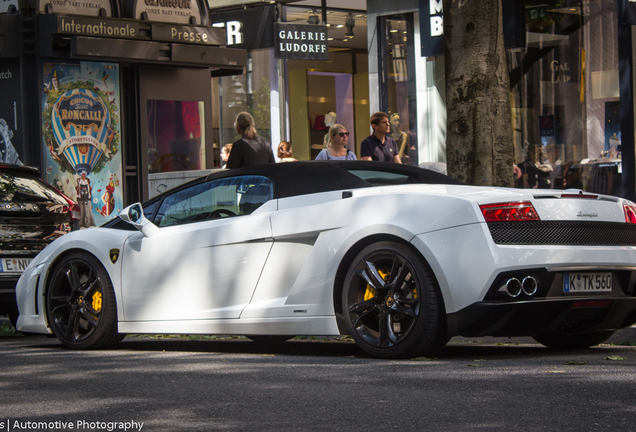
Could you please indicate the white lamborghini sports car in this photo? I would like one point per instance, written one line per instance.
(398, 257)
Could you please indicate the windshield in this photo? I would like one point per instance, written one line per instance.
(26, 187)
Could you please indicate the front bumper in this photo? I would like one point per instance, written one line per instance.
(30, 301)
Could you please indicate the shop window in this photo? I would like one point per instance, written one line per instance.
(176, 135)
(565, 93)
(399, 83)
(249, 92)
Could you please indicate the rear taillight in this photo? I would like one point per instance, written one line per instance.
(630, 213)
(509, 212)
(72, 205)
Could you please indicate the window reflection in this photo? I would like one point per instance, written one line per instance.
(565, 97)
(401, 86)
(216, 199)
(176, 135)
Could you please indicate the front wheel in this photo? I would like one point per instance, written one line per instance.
(392, 304)
(80, 303)
(558, 341)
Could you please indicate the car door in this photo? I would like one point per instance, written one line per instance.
(207, 257)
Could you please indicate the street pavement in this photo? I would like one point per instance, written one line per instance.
(315, 384)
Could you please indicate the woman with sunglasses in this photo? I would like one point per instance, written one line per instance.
(337, 147)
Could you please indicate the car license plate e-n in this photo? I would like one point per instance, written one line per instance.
(587, 282)
(14, 265)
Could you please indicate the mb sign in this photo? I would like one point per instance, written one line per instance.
(432, 25)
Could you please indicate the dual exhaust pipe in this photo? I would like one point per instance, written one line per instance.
(514, 287)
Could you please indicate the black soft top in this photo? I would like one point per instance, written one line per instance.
(307, 177)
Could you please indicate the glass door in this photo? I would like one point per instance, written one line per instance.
(398, 90)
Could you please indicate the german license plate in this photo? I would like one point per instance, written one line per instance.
(14, 265)
(587, 282)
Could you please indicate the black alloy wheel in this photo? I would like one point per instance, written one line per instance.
(80, 303)
(392, 303)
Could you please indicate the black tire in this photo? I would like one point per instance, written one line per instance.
(392, 304)
(558, 341)
(76, 322)
(267, 339)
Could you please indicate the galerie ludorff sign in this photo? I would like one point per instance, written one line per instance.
(301, 41)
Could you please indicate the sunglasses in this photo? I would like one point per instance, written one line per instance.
(343, 134)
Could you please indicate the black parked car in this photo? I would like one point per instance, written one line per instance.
(32, 215)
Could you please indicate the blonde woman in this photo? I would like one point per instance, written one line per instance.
(337, 147)
(251, 149)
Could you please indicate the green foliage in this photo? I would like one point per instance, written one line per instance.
(7, 329)
(615, 358)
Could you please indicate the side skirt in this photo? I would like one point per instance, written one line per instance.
(317, 326)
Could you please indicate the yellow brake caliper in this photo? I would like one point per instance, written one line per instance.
(97, 301)
(370, 292)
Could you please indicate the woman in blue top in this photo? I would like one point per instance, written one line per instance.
(337, 146)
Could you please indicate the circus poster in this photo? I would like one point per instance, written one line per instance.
(82, 137)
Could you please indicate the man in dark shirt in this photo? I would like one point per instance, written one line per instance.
(379, 146)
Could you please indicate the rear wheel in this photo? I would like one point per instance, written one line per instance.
(80, 303)
(392, 304)
(557, 341)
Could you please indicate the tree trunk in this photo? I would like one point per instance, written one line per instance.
(479, 142)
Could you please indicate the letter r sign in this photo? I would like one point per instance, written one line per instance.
(234, 33)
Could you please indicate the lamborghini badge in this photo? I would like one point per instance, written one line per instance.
(114, 255)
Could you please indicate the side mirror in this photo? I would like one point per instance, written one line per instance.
(134, 215)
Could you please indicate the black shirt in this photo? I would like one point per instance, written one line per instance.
(372, 146)
(247, 152)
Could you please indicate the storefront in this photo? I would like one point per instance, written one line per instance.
(103, 95)
(567, 98)
(160, 83)
(297, 96)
